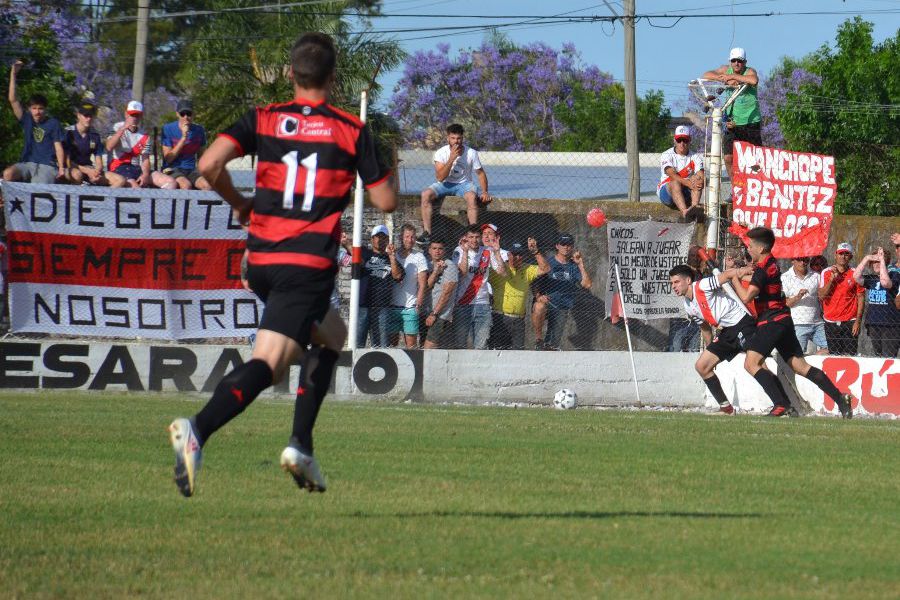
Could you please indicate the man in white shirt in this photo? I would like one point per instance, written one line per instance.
(800, 285)
(681, 176)
(708, 304)
(472, 315)
(454, 164)
(129, 148)
(409, 293)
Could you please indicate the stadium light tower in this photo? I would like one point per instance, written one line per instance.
(710, 93)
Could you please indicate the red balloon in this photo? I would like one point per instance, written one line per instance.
(596, 217)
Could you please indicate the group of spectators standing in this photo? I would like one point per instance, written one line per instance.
(79, 155)
(475, 297)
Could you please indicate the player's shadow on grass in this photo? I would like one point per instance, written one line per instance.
(573, 514)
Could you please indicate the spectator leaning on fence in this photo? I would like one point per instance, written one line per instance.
(84, 148)
(801, 289)
(567, 272)
(511, 292)
(182, 143)
(472, 315)
(842, 303)
(882, 315)
(743, 117)
(682, 179)
(453, 168)
(380, 270)
(129, 150)
(43, 157)
(441, 282)
(409, 292)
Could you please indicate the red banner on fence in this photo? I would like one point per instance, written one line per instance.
(790, 192)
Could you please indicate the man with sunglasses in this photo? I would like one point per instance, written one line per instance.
(801, 289)
(681, 182)
(182, 142)
(743, 116)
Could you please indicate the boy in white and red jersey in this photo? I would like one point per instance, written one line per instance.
(682, 176)
(709, 305)
(308, 155)
(129, 149)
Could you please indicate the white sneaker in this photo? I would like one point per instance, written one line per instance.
(303, 468)
(188, 455)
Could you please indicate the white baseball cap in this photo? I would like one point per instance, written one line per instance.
(380, 229)
(682, 131)
(738, 53)
(844, 247)
(134, 108)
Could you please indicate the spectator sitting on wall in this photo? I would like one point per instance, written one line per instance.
(380, 270)
(43, 157)
(801, 286)
(882, 314)
(510, 293)
(744, 120)
(682, 177)
(453, 167)
(567, 272)
(129, 153)
(440, 298)
(842, 303)
(409, 293)
(84, 148)
(477, 254)
(182, 143)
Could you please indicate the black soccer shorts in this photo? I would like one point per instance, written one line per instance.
(777, 335)
(295, 298)
(733, 340)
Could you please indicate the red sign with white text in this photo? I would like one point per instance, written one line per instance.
(791, 193)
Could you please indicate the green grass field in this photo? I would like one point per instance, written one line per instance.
(438, 501)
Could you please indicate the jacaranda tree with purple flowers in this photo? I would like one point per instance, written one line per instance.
(506, 96)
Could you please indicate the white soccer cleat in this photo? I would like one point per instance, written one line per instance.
(303, 468)
(188, 455)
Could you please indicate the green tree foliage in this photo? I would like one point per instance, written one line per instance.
(852, 114)
(595, 122)
(241, 59)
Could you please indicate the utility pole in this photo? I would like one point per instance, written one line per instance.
(631, 128)
(140, 50)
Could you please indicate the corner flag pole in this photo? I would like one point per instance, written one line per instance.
(637, 392)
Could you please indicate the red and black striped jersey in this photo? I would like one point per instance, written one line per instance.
(770, 302)
(308, 154)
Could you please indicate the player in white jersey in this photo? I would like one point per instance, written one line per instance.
(682, 177)
(708, 304)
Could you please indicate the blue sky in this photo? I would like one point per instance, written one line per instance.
(669, 52)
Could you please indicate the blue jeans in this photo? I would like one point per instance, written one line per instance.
(816, 333)
(373, 322)
(452, 189)
(684, 336)
(474, 320)
(556, 323)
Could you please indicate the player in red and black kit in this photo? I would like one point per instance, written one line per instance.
(308, 156)
(775, 328)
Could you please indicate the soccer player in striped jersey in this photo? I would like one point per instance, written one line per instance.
(709, 305)
(775, 327)
(308, 155)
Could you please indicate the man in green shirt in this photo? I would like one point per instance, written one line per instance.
(743, 116)
(511, 294)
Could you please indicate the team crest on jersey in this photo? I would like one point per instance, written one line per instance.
(307, 110)
(38, 134)
(287, 126)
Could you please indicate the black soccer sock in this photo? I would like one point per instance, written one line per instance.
(315, 379)
(782, 390)
(818, 377)
(715, 388)
(770, 386)
(233, 394)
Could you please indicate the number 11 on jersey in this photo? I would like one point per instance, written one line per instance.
(290, 181)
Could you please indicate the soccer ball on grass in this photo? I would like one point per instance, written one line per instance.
(565, 399)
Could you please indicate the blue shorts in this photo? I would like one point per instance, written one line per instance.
(128, 171)
(452, 189)
(403, 320)
(665, 197)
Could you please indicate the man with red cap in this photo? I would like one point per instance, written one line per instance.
(682, 178)
(842, 303)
